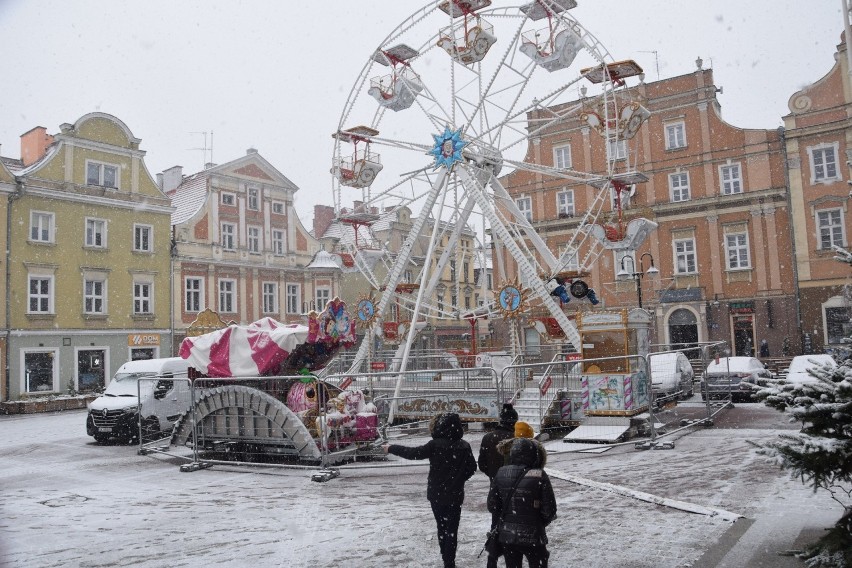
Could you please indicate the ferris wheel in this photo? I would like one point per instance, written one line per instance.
(448, 105)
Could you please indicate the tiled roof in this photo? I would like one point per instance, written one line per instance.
(13, 164)
(189, 197)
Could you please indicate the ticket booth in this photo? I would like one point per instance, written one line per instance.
(614, 379)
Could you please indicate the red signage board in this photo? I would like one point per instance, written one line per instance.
(378, 365)
(346, 382)
(545, 385)
(574, 357)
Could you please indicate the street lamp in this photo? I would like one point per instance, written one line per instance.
(637, 276)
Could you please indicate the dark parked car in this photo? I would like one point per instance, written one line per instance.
(733, 377)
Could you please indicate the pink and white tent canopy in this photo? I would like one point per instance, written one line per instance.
(244, 351)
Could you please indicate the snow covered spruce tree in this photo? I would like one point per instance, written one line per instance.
(820, 454)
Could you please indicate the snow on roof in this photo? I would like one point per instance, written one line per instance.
(189, 197)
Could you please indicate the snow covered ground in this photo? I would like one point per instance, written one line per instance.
(69, 502)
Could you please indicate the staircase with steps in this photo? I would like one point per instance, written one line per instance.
(531, 406)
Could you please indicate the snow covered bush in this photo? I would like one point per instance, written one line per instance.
(820, 454)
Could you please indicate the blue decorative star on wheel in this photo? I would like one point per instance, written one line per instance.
(448, 148)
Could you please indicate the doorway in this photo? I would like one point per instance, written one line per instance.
(744, 336)
(683, 331)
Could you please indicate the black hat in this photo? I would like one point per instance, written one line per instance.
(508, 416)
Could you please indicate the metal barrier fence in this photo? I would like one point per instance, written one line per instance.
(295, 422)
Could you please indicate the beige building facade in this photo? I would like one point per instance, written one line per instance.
(88, 261)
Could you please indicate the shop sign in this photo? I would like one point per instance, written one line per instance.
(377, 366)
(545, 385)
(741, 307)
(143, 339)
(346, 382)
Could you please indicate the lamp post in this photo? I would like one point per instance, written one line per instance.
(637, 276)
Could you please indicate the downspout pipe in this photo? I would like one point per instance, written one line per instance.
(19, 186)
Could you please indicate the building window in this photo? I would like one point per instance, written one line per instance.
(40, 295)
(675, 135)
(278, 207)
(40, 370)
(105, 175)
(294, 295)
(616, 149)
(94, 296)
(227, 290)
(278, 242)
(142, 298)
(684, 251)
(270, 297)
(737, 247)
(142, 238)
(453, 270)
(565, 203)
(323, 298)
(41, 227)
(731, 179)
(837, 318)
(228, 230)
(830, 227)
(254, 239)
(96, 233)
(254, 199)
(679, 186)
(562, 157)
(465, 271)
(228, 198)
(194, 289)
(823, 163)
(525, 207)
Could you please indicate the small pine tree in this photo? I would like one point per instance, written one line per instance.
(820, 454)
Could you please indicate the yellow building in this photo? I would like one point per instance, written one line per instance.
(89, 260)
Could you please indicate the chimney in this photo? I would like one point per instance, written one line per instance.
(34, 144)
(251, 151)
(323, 216)
(172, 178)
(209, 165)
(160, 181)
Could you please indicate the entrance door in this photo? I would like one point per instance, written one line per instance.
(90, 370)
(744, 335)
(683, 332)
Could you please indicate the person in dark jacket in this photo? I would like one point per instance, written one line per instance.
(490, 458)
(451, 464)
(532, 506)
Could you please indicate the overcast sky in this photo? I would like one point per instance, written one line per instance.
(276, 75)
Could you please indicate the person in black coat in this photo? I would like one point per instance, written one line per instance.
(491, 459)
(451, 464)
(532, 506)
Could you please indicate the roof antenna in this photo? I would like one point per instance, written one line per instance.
(656, 61)
(206, 150)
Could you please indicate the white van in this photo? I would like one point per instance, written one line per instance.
(115, 414)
